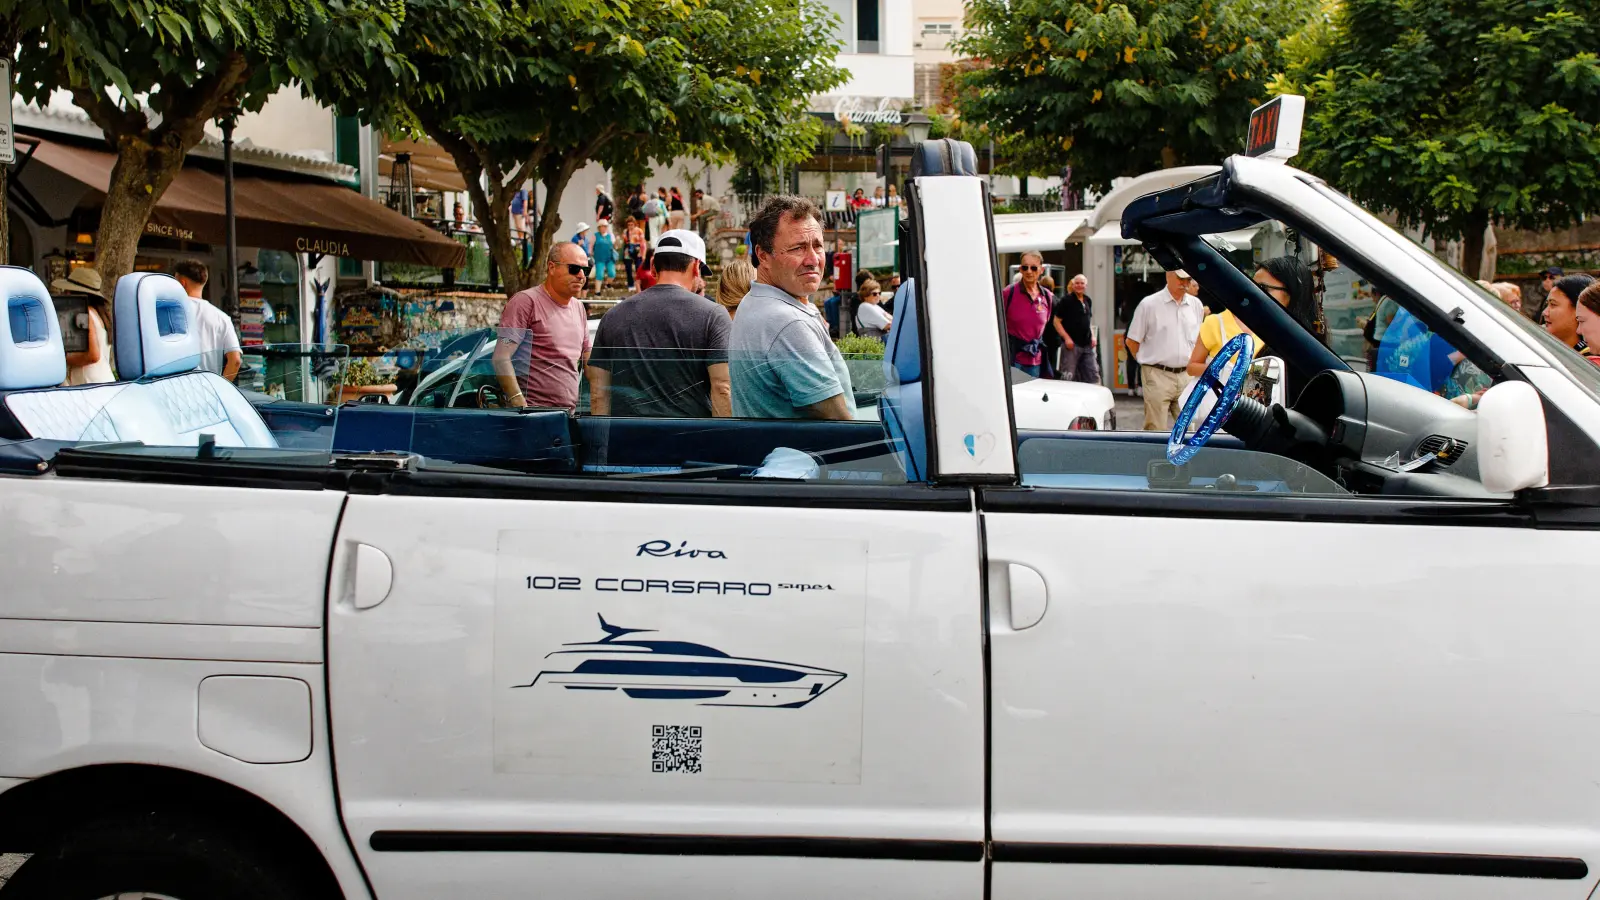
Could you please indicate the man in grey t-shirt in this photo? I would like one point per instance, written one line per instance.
(663, 351)
(780, 359)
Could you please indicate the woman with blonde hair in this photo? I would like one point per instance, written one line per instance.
(737, 277)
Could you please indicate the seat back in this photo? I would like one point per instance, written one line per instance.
(31, 352)
(157, 329)
(901, 407)
(32, 355)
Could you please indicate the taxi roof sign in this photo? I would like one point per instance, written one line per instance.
(1275, 128)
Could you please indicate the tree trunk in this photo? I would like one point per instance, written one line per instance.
(544, 235)
(492, 205)
(139, 177)
(1472, 246)
(1169, 158)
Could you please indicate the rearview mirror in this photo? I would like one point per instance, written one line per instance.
(1513, 446)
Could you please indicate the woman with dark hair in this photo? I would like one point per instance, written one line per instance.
(647, 270)
(1588, 308)
(1287, 281)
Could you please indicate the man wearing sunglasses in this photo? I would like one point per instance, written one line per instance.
(544, 334)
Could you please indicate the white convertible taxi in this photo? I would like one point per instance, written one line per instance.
(1337, 646)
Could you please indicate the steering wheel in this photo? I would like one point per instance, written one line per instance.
(1238, 350)
(488, 393)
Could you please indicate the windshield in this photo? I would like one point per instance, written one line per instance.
(1585, 373)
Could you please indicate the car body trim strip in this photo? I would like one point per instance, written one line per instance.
(1388, 861)
(675, 845)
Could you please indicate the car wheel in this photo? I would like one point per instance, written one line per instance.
(155, 855)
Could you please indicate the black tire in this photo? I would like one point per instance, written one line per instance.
(178, 856)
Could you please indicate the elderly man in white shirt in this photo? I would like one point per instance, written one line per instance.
(1161, 337)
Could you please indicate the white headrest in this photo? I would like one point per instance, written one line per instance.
(157, 329)
(31, 352)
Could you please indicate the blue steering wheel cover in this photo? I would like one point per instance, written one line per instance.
(1181, 449)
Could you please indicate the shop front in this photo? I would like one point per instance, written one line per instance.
(292, 227)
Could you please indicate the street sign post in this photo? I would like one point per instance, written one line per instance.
(8, 151)
(1275, 128)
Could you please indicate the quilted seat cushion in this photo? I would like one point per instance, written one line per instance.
(163, 412)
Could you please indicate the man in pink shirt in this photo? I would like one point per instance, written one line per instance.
(544, 335)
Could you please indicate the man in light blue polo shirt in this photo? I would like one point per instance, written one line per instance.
(780, 359)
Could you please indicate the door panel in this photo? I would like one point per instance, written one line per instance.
(578, 678)
(101, 550)
(1369, 689)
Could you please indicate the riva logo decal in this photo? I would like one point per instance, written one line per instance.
(664, 549)
(680, 670)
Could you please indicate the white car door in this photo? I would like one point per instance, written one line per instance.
(611, 688)
(1246, 677)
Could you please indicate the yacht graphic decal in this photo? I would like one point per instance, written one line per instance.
(679, 670)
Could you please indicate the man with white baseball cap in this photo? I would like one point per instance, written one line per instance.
(664, 351)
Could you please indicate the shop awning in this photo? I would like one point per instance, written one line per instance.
(431, 167)
(272, 214)
(1017, 232)
(1110, 233)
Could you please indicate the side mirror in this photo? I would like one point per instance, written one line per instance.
(1513, 446)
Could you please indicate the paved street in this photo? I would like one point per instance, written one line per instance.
(8, 864)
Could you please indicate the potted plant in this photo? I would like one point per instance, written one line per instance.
(360, 378)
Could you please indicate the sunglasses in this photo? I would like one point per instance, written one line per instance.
(1029, 268)
(575, 269)
(1269, 288)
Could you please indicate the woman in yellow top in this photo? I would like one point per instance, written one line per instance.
(1286, 280)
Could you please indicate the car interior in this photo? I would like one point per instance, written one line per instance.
(1341, 432)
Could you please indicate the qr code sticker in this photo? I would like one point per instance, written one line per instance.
(675, 748)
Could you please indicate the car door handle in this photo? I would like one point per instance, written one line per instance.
(1018, 595)
(1029, 599)
(374, 576)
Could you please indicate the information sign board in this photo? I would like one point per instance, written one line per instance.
(8, 150)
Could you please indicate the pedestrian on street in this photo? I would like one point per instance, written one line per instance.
(605, 254)
(583, 239)
(781, 361)
(1162, 334)
(1073, 322)
(665, 351)
(737, 276)
(519, 215)
(1027, 305)
(544, 335)
(94, 363)
(707, 210)
(871, 320)
(677, 216)
(655, 210)
(219, 340)
(604, 208)
(647, 271)
(1560, 310)
(1509, 294)
(1588, 316)
(633, 248)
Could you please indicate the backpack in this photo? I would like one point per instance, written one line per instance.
(653, 207)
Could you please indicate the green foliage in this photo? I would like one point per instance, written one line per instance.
(532, 89)
(1456, 115)
(856, 346)
(1117, 89)
(160, 54)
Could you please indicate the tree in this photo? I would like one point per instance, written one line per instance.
(1117, 89)
(534, 90)
(1457, 116)
(152, 73)
(20, 21)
